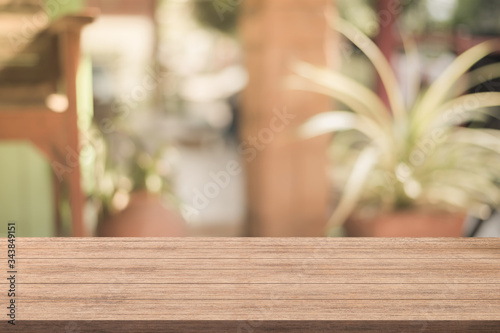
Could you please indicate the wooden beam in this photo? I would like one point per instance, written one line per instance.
(70, 50)
(261, 284)
(386, 40)
(288, 191)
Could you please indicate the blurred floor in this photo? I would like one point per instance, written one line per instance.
(224, 214)
(488, 228)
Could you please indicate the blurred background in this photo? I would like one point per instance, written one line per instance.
(173, 117)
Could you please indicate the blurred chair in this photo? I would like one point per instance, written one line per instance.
(38, 103)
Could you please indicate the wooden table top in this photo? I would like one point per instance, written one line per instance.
(258, 284)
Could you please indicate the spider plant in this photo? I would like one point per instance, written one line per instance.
(413, 153)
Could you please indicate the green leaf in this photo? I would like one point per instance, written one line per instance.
(480, 76)
(464, 109)
(353, 190)
(336, 121)
(439, 90)
(384, 69)
(361, 99)
(413, 77)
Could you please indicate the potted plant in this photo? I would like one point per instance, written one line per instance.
(411, 168)
(136, 196)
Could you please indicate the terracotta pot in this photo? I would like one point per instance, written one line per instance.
(145, 216)
(410, 223)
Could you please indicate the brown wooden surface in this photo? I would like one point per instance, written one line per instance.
(436, 282)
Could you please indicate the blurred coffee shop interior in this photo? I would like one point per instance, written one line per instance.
(250, 117)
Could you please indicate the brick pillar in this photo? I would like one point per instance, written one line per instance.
(288, 191)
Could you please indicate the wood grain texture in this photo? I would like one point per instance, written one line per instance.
(257, 280)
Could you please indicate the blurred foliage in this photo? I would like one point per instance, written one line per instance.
(127, 163)
(221, 15)
(58, 8)
(481, 17)
(367, 17)
(361, 13)
(477, 16)
(414, 152)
